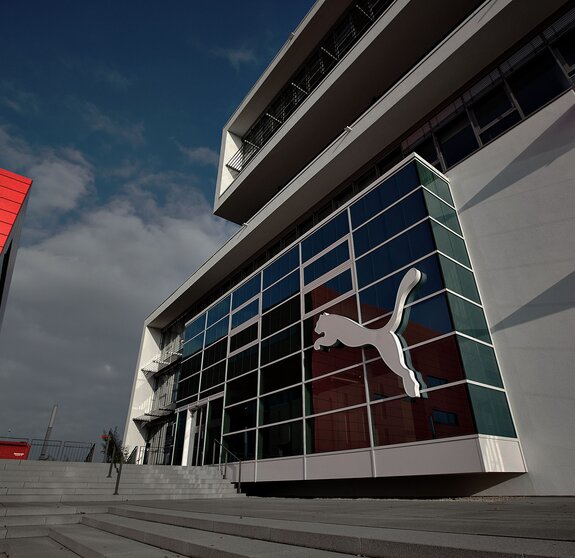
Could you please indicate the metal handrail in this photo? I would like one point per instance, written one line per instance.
(115, 449)
(226, 463)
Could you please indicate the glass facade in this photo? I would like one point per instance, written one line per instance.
(253, 349)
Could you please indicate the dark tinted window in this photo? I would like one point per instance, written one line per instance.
(217, 331)
(214, 375)
(243, 445)
(537, 82)
(457, 140)
(244, 337)
(566, 47)
(326, 263)
(399, 252)
(193, 346)
(191, 366)
(281, 317)
(242, 388)
(324, 236)
(243, 362)
(246, 291)
(195, 327)
(218, 311)
(280, 406)
(281, 291)
(240, 417)
(281, 374)
(327, 292)
(215, 352)
(245, 313)
(393, 188)
(334, 392)
(281, 440)
(282, 266)
(491, 411)
(479, 361)
(389, 223)
(281, 344)
(338, 431)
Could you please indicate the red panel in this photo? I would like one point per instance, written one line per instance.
(7, 205)
(6, 217)
(14, 450)
(11, 195)
(5, 228)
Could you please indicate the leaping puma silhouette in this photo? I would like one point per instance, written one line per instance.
(339, 329)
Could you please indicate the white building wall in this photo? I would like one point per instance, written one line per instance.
(516, 200)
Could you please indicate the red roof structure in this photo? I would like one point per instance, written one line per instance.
(13, 191)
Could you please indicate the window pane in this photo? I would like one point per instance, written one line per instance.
(393, 188)
(243, 362)
(427, 150)
(450, 244)
(491, 106)
(217, 331)
(281, 344)
(195, 327)
(245, 313)
(499, 127)
(243, 445)
(326, 263)
(399, 252)
(193, 345)
(280, 317)
(434, 183)
(468, 318)
(391, 222)
(379, 299)
(566, 46)
(537, 82)
(189, 387)
(457, 140)
(280, 406)
(324, 236)
(281, 440)
(491, 411)
(329, 291)
(191, 366)
(282, 266)
(243, 388)
(244, 337)
(246, 291)
(480, 362)
(240, 417)
(411, 420)
(218, 311)
(280, 291)
(459, 279)
(319, 363)
(338, 431)
(214, 375)
(336, 391)
(281, 374)
(215, 352)
(442, 212)
(438, 362)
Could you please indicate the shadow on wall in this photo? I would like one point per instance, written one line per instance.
(556, 298)
(557, 140)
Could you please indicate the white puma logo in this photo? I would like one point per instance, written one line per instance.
(339, 329)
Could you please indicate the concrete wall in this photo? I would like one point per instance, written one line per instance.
(516, 200)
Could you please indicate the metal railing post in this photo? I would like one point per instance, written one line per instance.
(118, 475)
(112, 461)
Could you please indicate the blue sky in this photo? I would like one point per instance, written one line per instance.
(115, 110)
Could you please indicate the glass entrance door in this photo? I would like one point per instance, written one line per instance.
(198, 434)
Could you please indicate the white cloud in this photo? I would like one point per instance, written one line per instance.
(81, 291)
(111, 77)
(98, 121)
(236, 56)
(201, 155)
(22, 102)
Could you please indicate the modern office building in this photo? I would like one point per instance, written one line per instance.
(404, 176)
(13, 202)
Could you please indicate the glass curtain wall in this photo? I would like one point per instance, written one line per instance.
(283, 398)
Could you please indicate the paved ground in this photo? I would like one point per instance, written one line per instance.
(533, 518)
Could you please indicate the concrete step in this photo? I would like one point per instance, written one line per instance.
(92, 543)
(125, 490)
(38, 547)
(353, 540)
(110, 484)
(72, 498)
(200, 544)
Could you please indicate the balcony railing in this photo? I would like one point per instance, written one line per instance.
(168, 355)
(353, 25)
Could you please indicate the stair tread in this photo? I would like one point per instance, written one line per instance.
(37, 547)
(194, 542)
(87, 541)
